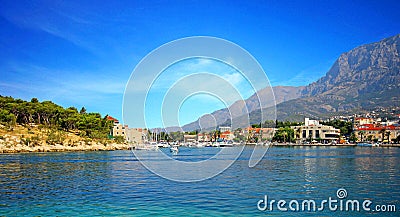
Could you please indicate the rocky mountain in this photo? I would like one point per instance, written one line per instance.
(361, 79)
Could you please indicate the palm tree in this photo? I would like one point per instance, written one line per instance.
(284, 134)
(298, 131)
(388, 136)
(362, 135)
(382, 131)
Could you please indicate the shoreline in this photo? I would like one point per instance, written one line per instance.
(61, 148)
(337, 145)
(114, 147)
(35, 140)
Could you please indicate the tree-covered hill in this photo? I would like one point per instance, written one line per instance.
(48, 114)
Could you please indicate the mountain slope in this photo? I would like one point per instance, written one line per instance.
(281, 94)
(362, 79)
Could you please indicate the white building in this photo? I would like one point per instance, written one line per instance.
(224, 129)
(313, 130)
(132, 135)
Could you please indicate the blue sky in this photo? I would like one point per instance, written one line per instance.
(81, 53)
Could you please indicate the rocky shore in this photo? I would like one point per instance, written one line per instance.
(13, 144)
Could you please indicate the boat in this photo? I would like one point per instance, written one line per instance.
(361, 144)
(215, 144)
(163, 145)
(200, 145)
(226, 144)
(174, 149)
(263, 144)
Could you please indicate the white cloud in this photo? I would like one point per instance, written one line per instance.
(235, 79)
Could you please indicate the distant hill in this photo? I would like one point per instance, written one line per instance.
(361, 79)
(219, 117)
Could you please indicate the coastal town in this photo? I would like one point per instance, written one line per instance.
(360, 129)
(33, 126)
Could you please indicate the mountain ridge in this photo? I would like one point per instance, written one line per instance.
(361, 79)
(280, 94)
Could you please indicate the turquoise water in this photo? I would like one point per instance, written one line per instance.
(115, 184)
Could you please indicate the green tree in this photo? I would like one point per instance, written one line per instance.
(83, 110)
(345, 127)
(17, 111)
(284, 134)
(362, 133)
(34, 100)
(353, 137)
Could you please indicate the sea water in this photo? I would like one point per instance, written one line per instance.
(115, 183)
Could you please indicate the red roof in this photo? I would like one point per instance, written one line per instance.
(373, 127)
(112, 119)
(362, 118)
(257, 130)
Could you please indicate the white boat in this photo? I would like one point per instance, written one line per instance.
(215, 144)
(263, 143)
(200, 145)
(225, 144)
(174, 149)
(209, 144)
(163, 145)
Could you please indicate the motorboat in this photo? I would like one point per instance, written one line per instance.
(174, 149)
(163, 145)
(226, 144)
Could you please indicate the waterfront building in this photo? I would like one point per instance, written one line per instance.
(227, 135)
(312, 130)
(377, 132)
(204, 137)
(136, 135)
(224, 129)
(264, 133)
(131, 135)
(362, 121)
(119, 130)
(189, 138)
